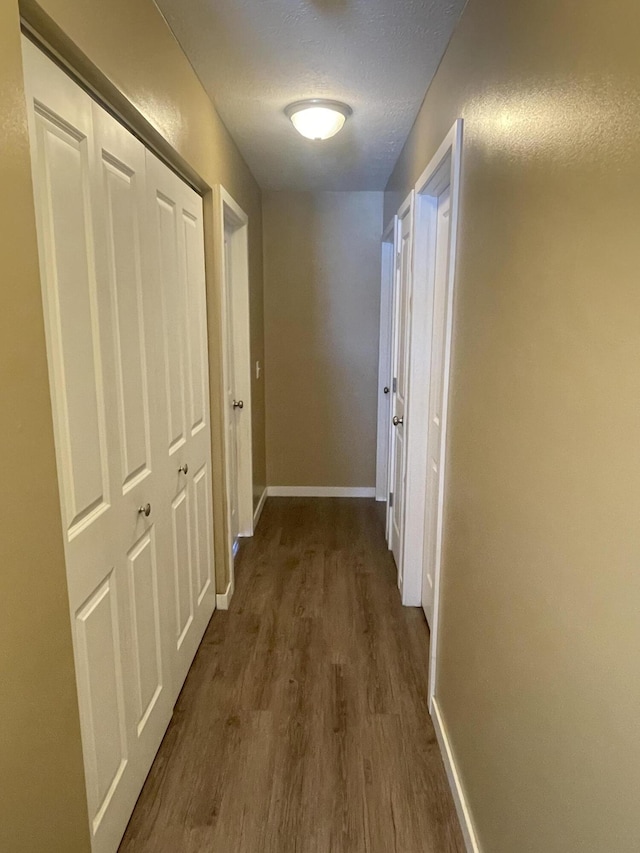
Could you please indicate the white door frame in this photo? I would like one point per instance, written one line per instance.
(390, 442)
(231, 217)
(384, 360)
(405, 211)
(443, 172)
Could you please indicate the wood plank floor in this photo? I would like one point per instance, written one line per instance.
(303, 724)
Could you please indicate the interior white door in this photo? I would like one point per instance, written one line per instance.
(402, 308)
(385, 379)
(232, 412)
(89, 191)
(435, 437)
(177, 261)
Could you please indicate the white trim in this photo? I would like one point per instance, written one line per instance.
(442, 172)
(451, 150)
(259, 508)
(223, 600)
(391, 445)
(228, 212)
(385, 378)
(321, 492)
(406, 206)
(462, 807)
(237, 214)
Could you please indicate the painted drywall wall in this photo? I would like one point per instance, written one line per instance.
(322, 304)
(538, 671)
(125, 49)
(42, 795)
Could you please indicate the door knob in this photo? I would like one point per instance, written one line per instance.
(145, 510)
(238, 404)
(183, 469)
(397, 421)
(386, 389)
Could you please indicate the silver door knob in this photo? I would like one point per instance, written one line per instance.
(145, 510)
(183, 469)
(238, 404)
(397, 421)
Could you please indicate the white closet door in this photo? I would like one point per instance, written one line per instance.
(177, 256)
(89, 193)
(120, 216)
(231, 412)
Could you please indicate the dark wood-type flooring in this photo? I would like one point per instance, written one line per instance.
(303, 724)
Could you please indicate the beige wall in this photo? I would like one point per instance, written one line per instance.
(538, 678)
(322, 303)
(125, 49)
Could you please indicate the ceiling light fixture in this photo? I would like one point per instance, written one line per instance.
(318, 118)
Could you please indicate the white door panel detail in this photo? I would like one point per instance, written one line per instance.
(121, 250)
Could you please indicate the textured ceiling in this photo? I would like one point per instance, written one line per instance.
(256, 56)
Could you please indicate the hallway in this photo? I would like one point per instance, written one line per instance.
(303, 724)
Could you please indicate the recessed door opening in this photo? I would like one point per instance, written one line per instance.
(121, 250)
(233, 236)
(436, 216)
(385, 377)
(400, 386)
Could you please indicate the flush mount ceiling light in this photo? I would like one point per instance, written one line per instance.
(318, 118)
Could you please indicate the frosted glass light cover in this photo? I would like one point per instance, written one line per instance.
(317, 120)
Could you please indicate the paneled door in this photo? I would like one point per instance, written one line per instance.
(101, 320)
(435, 437)
(231, 413)
(401, 325)
(177, 259)
(387, 279)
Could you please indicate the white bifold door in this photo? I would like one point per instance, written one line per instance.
(184, 460)
(122, 266)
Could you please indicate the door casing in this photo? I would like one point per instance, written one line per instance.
(442, 173)
(385, 377)
(401, 313)
(232, 233)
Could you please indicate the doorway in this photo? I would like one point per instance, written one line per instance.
(385, 377)
(234, 274)
(400, 385)
(436, 217)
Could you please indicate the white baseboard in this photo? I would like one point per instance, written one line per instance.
(259, 508)
(223, 600)
(321, 491)
(459, 798)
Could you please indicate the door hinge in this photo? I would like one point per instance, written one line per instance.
(390, 499)
(395, 385)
